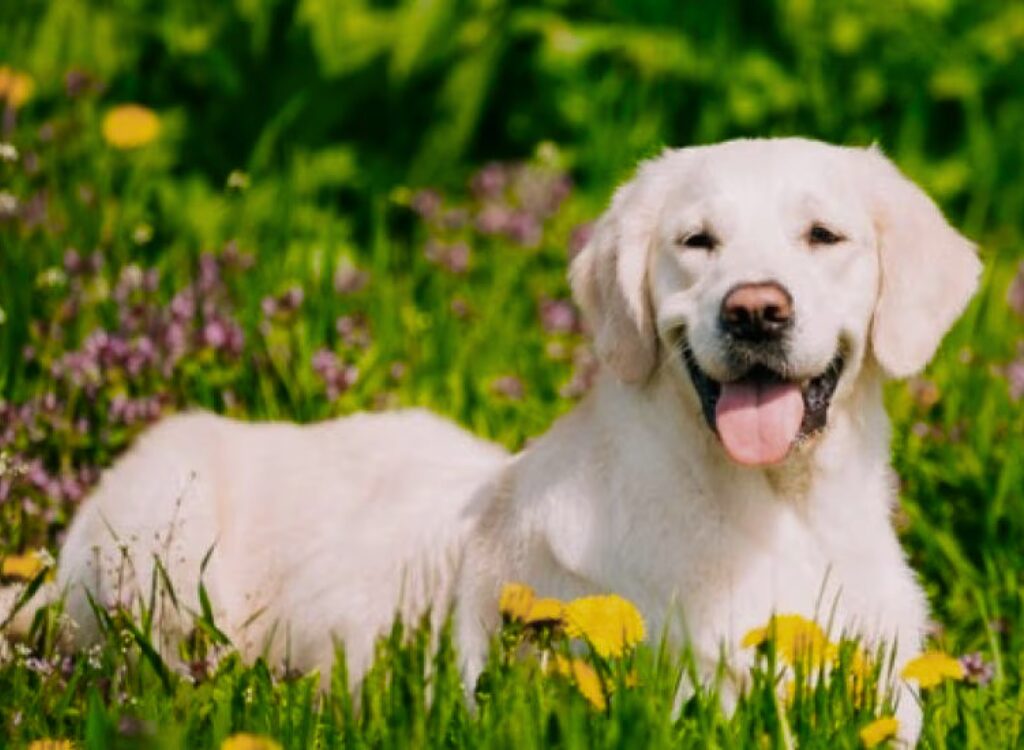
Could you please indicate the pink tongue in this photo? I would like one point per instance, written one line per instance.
(758, 422)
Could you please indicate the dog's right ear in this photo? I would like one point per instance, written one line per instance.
(609, 282)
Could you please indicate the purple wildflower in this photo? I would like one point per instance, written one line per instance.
(454, 258)
(134, 727)
(398, 371)
(353, 330)
(215, 334)
(209, 273)
(426, 203)
(236, 339)
(39, 666)
(523, 228)
(36, 210)
(183, 305)
(977, 671)
(348, 279)
(291, 300)
(73, 263)
(493, 219)
(457, 260)
(337, 377)
(78, 82)
(1015, 379)
(30, 163)
(579, 238)
(509, 386)
(558, 316)
(454, 219)
(490, 181)
(1015, 294)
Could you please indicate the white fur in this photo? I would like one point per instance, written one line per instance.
(323, 532)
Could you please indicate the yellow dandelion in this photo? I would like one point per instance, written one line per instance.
(790, 690)
(610, 623)
(879, 731)
(545, 612)
(15, 87)
(130, 126)
(516, 601)
(931, 668)
(861, 665)
(586, 679)
(246, 741)
(861, 668)
(48, 744)
(796, 639)
(23, 567)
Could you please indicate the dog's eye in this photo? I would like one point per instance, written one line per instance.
(821, 235)
(702, 240)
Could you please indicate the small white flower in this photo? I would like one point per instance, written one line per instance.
(45, 558)
(52, 277)
(93, 657)
(131, 277)
(142, 234)
(8, 205)
(238, 180)
(8, 152)
(39, 666)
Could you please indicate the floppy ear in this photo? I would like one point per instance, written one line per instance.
(609, 283)
(928, 271)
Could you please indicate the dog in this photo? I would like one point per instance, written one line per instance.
(747, 300)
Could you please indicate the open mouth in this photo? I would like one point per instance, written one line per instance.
(760, 416)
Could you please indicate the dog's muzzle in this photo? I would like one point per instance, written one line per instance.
(761, 415)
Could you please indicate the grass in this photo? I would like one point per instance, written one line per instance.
(130, 290)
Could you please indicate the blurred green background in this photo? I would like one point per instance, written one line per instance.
(351, 97)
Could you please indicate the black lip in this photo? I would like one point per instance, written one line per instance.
(817, 392)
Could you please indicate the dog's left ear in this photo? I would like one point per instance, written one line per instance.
(929, 272)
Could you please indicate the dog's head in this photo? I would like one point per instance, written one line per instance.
(764, 273)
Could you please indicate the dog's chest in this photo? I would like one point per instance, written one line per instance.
(712, 581)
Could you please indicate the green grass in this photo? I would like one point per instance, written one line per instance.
(474, 343)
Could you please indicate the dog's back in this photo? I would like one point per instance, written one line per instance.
(315, 533)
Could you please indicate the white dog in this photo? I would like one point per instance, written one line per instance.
(746, 299)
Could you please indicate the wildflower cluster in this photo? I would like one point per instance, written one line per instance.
(119, 375)
(806, 653)
(517, 205)
(510, 201)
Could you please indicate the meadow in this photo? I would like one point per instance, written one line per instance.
(297, 209)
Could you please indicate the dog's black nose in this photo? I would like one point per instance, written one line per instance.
(757, 312)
